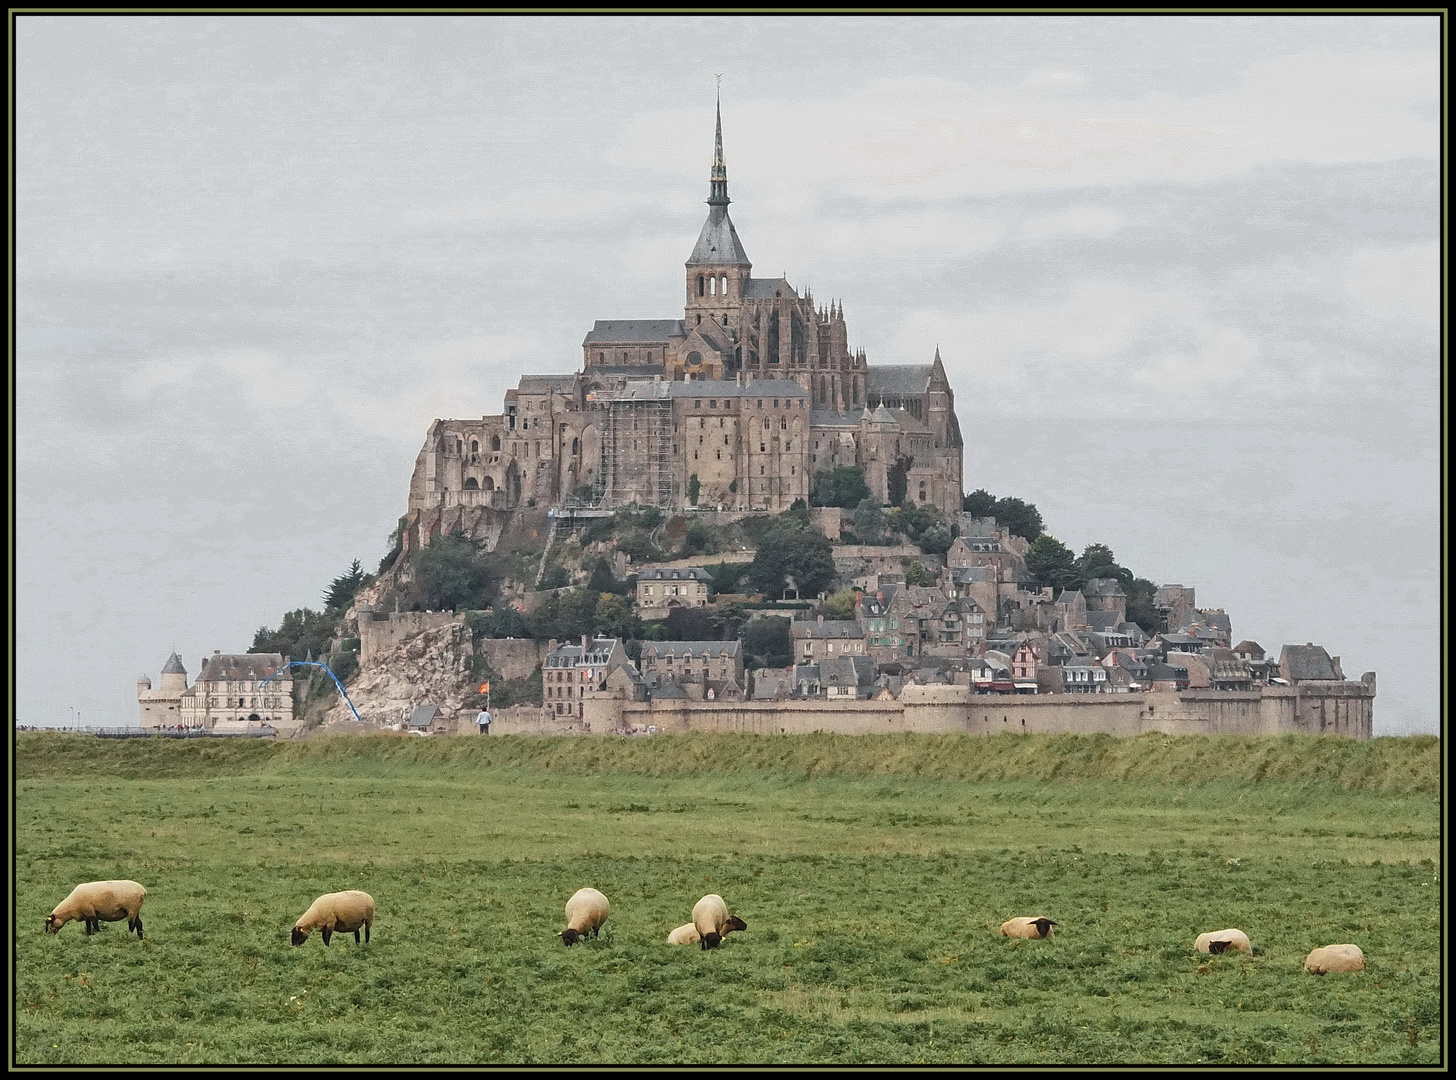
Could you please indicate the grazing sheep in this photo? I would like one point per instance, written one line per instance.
(1335, 958)
(585, 912)
(687, 934)
(341, 911)
(711, 920)
(1028, 926)
(1222, 941)
(100, 901)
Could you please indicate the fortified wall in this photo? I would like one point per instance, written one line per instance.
(1334, 709)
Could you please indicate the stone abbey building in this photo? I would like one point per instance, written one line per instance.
(736, 405)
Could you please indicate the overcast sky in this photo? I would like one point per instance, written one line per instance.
(1183, 272)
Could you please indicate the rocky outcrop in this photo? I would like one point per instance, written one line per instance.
(428, 668)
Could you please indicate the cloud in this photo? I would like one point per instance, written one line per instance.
(1398, 282)
(922, 138)
(1085, 220)
(1225, 354)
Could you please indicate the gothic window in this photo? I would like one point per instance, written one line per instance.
(490, 483)
(701, 285)
(694, 359)
(783, 423)
(725, 320)
(713, 287)
(495, 442)
(601, 358)
(474, 447)
(725, 293)
(470, 484)
(576, 446)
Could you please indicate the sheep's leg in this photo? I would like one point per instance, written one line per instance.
(90, 927)
(139, 928)
(327, 933)
(366, 933)
(356, 937)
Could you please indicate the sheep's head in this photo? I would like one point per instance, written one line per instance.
(52, 925)
(734, 923)
(1216, 947)
(711, 939)
(1043, 926)
(299, 936)
(570, 936)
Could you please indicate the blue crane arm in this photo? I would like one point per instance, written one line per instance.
(313, 663)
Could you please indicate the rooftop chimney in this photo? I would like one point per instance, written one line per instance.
(821, 620)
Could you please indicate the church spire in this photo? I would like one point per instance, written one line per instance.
(718, 185)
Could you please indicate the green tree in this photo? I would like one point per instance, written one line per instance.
(789, 551)
(917, 574)
(603, 580)
(841, 604)
(870, 522)
(1097, 561)
(1140, 607)
(897, 480)
(301, 634)
(699, 540)
(616, 616)
(936, 540)
(453, 573)
(725, 576)
(1021, 518)
(341, 591)
(767, 642)
(842, 486)
(979, 503)
(693, 489)
(1051, 562)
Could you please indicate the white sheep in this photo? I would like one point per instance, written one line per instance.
(1335, 958)
(585, 912)
(1222, 941)
(100, 901)
(1028, 926)
(341, 911)
(711, 921)
(687, 933)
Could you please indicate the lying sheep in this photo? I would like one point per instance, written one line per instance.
(1221, 941)
(98, 901)
(585, 912)
(1335, 958)
(711, 921)
(1028, 926)
(687, 934)
(341, 911)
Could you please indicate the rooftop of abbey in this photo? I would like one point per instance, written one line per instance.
(735, 405)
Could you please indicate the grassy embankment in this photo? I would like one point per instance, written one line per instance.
(872, 871)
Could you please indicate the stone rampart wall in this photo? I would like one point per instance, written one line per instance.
(380, 632)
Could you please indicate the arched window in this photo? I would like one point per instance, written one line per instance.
(490, 483)
(713, 286)
(470, 484)
(576, 446)
(922, 491)
(474, 447)
(783, 423)
(725, 320)
(725, 286)
(701, 285)
(495, 442)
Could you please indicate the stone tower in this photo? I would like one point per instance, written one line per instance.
(174, 676)
(718, 266)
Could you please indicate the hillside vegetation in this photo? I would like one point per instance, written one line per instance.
(1387, 765)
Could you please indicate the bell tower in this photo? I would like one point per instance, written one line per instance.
(718, 266)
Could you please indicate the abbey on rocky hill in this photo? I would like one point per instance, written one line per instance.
(735, 405)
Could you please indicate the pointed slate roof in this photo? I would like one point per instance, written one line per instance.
(174, 666)
(718, 243)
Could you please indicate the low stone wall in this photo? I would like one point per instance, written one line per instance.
(514, 658)
(379, 632)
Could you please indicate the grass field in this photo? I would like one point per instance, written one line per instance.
(872, 872)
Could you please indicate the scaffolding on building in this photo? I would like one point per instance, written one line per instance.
(638, 463)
